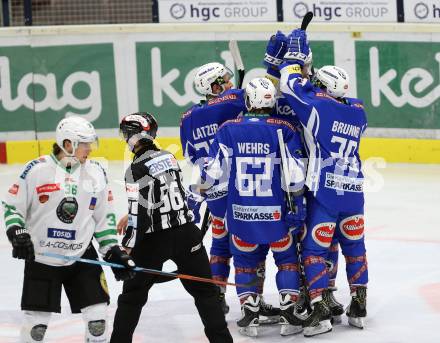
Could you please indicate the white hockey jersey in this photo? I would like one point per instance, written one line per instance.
(62, 208)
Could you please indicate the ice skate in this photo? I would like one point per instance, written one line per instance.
(319, 320)
(248, 324)
(268, 314)
(357, 310)
(290, 321)
(336, 308)
(303, 303)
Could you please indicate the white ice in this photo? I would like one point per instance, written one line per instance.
(403, 243)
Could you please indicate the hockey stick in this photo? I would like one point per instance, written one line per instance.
(285, 169)
(203, 229)
(306, 20)
(150, 271)
(304, 24)
(206, 222)
(236, 56)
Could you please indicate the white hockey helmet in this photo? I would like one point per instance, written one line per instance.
(260, 93)
(334, 79)
(76, 130)
(208, 74)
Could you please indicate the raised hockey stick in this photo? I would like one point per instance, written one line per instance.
(306, 20)
(151, 271)
(236, 56)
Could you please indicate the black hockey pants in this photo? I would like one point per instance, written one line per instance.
(181, 245)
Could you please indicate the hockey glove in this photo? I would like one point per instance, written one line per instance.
(194, 206)
(118, 255)
(295, 220)
(297, 48)
(22, 247)
(275, 50)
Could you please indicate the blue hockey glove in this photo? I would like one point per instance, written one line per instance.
(297, 48)
(194, 205)
(295, 220)
(275, 50)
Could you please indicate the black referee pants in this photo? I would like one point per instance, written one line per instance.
(181, 245)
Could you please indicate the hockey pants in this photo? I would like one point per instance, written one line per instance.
(246, 262)
(348, 228)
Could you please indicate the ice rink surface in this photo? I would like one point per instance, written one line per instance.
(403, 250)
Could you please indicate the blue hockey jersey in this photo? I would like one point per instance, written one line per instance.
(245, 171)
(200, 123)
(332, 133)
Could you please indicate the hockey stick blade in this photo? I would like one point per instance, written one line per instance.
(306, 20)
(149, 271)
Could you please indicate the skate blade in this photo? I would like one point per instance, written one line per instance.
(356, 322)
(323, 327)
(336, 320)
(287, 329)
(269, 320)
(250, 331)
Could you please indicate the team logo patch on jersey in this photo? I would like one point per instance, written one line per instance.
(242, 245)
(162, 164)
(14, 189)
(61, 233)
(283, 244)
(48, 188)
(322, 234)
(256, 213)
(218, 228)
(43, 198)
(67, 210)
(92, 203)
(353, 227)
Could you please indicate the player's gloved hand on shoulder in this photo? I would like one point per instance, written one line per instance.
(22, 246)
(118, 255)
(295, 219)
(297, 48)
(275, 50)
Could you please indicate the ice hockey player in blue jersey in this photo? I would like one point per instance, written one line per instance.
(275, 50)
(197, 129)
(244, 177)
(333, 126)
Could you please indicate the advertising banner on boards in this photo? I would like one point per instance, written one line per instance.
(426, 11)
(358, 11)
(208, 11)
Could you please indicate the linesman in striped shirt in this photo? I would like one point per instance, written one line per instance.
(160, 228)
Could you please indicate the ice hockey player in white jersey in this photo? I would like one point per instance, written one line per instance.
(57, 205)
